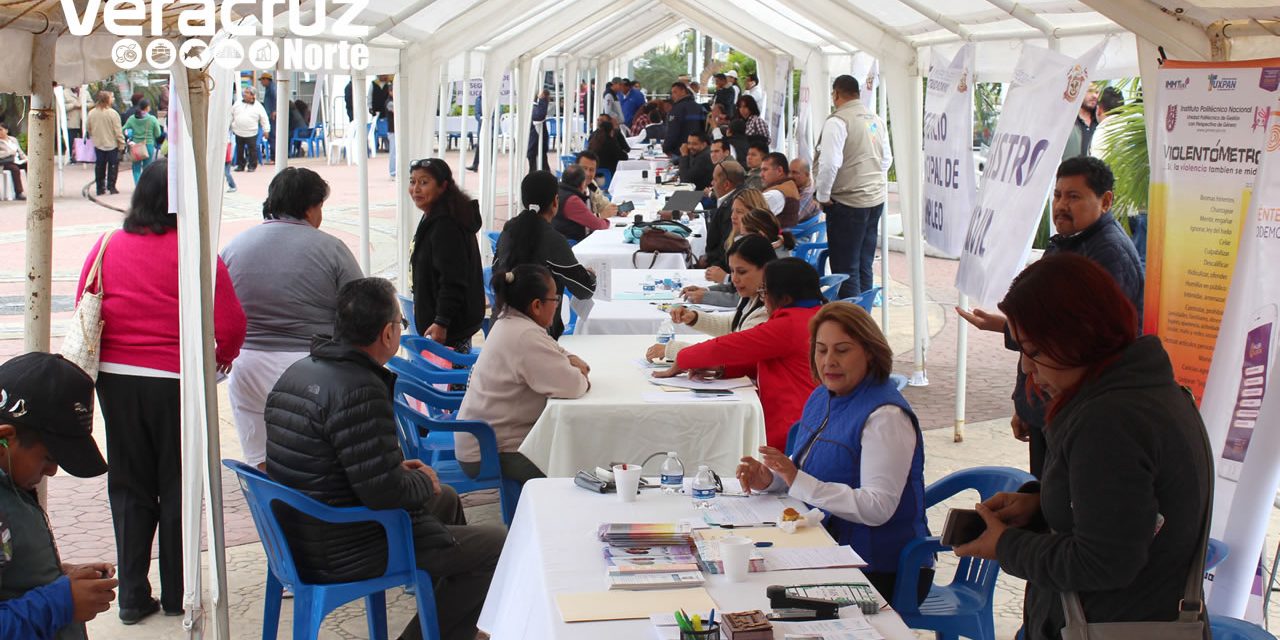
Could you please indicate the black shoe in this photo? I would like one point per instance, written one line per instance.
(473, 168)
(114, 192)
(241, 169)
(174, 612)
(102, 193)
(133, 616)
(20, 196)
(252, 169)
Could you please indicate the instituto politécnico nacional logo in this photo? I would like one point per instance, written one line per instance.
(198, 24)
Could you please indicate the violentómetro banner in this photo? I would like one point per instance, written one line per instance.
(1034, 125)
(1204, 161)
(1238, 411)
(950, 183)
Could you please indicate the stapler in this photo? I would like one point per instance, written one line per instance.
(788, 608)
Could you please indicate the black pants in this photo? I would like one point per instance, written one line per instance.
(144, 483)
(105, 168)
(514, 467)
(851, 238)
(461, 573)
(15, 170)
(247, 152)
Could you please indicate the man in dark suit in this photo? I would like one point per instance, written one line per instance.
(726, 179)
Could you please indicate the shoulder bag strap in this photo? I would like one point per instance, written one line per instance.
(95, 272)
(1191, 608)
(652, 261)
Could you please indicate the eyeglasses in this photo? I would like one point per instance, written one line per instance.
(551, 299)
(425, 162)
(404, 323)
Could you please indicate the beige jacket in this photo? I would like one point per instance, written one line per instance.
(852, 157)
(104, 129)
(719, 324)
(519, 367)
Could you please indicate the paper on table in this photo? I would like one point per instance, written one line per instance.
(807, 537)
(852, 627)
(810, 558)
(720, 385)
(642, 363)
(658, 397)
(748, 511)
(630, 605)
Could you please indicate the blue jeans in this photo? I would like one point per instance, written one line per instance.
(138, 166)
(1138, 225)
(226, 172)
(851, 238)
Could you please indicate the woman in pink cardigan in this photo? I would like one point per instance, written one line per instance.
(138, 389)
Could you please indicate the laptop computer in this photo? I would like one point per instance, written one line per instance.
(683, 201)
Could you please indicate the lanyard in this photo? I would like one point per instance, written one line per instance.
(803, 454)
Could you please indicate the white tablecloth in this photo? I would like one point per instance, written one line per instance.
(613, 423)
(608, 246)
(552, 549)
(636, 317)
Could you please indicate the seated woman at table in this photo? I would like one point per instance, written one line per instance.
(518, 369)
(856, 452)
(774, 352)
(606, 143)
(758, 222)
(743, 203)
(747, 260)
(529, 238)
(574, 219)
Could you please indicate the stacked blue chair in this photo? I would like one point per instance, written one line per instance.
(416, 429)
(812, 230)
(312, 602)
(435, 447)
(866, 299)
(419, 344)
(1225, 628)
(962, 608)
(493, 240)
(815, 253)
(831, 284)
(607, 175)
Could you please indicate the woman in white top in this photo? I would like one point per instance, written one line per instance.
(520, 367)
(12, 159)
(747, 259)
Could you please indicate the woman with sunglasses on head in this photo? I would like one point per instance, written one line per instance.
(756, 222)
(1126, 490)
(520, 367)
(448, 281)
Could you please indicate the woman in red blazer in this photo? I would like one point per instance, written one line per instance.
(776, 352)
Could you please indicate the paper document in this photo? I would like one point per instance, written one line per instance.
(659, 397)
(717, 385)
(853, 627)
(810, 558)
(665, 294)
(630, 605)
(806, 537)
(750, 511)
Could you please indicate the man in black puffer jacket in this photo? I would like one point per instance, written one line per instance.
(331, 434)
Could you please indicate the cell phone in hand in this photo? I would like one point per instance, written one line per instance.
(626, 207)
(963, 526)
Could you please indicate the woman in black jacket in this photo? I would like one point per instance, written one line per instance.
(448, 284)
(609, 144)
(529, 238)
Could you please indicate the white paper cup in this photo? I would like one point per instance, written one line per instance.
(735, 553)
(628, 481)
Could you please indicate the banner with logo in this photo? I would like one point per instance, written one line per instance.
(1034, 125)
(777, 101)
(476, 84)
(1211, 296)
(950, 184)
(1203, 164)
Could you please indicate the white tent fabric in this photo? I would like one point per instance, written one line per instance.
(421, 39)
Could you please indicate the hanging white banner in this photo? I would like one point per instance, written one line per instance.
(804, 146)
(476, 84)
(1035, 122)
(777, 100)
(950, 184)
(866, 70)
(1240, 416)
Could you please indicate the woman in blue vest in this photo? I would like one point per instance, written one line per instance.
(873, 502)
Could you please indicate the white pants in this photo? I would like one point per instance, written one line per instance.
(254, 375)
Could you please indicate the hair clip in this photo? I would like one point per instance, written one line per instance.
(535, 208)
(509, 277)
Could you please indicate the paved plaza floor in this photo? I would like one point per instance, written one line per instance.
(79, 510)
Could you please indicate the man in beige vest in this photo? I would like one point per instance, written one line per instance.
(853, 156)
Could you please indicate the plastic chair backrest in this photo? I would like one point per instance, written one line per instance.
(409, 421)
(812, 230)
(831, 284)
(607, 175)
(866, 299)
(566, 160)
(493, 240)
(488, 286)
(406, 309)
(567, 301)
(423, 343)
(1225, 628)
(1215, 554)
(987, 481)
(812, 252)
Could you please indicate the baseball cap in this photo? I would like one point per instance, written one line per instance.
(49, 394)
(731, 74)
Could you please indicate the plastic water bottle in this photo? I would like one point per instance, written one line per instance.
(666, 332)
(704, 488)
(672, 474)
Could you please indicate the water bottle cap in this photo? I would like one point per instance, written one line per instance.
(671, 454)
(703, 467)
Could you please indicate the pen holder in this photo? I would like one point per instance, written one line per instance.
(709, 633)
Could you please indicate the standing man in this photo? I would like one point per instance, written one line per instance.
(331, 434)
(732, 77)
(724, 95)
(853, 156)
(1081, 138)
(685, 118)
(247, 116)
(754, 90)
(631, 100)
(539, 140)
(269, 104)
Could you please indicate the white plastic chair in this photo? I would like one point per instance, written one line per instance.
(337, 139)
(504, 130)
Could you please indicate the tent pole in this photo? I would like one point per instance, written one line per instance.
(40, 170)
(442, 117)
(199, 93)
(962, 371)
(359, 94)
(882, 106)
(465, 100)
(281, 131)
(906, 99)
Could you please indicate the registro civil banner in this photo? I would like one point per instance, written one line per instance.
(1035, 122)
(950, 184)
(1215, 248)
(1203, 164)
(777, 101)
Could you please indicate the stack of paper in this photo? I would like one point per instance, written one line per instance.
(784, 559)
(851, 627)
(624, 534)
(646, 581)
(650, 559)
(754, 510)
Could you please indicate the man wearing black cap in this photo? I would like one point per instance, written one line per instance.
(46, 422)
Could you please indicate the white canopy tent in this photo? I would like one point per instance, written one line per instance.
(424, 42)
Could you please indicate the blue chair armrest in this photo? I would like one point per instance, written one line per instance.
(423, 343)
(913, 556)
(489, 469)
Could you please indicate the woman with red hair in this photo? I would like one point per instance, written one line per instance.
(1117, 516)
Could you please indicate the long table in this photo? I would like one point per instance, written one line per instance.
(552, 549)
(608, 247)
(624, 315)
(612, 422)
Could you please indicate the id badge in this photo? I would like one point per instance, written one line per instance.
(6, 541)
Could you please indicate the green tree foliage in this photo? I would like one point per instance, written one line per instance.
(1126, 150)
(742, 63)
(659, 67)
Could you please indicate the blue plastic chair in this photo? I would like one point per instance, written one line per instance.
(815, 253)
(962, 608)
(1215, 554)
(427, 372)
(312, 602)
(423, 343)
(831, 284)
(264, 147)
(566, 160)
(381, 136)
(303, 141)
(487, 323)
(607, 175)
(573, 315)
(812, 230)
(493, 241)
(406, 310)
(1225, 628)
(436, 447)
(866, 299)
(416, 429)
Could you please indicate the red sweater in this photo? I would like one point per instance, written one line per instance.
(777, 351)
(140, 308)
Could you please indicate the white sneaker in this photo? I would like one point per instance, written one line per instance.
(231, 189)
